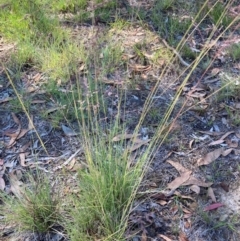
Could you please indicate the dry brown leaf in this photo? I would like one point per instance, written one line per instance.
(78, 166)
(16, 120)
(2, 184)
(162, 202)
(215, 71)
(210, 193)
(213, 143)
(23, 154)
(177, 182)
(140, 68)
(30, 123)
(19, 174)
(194, 181)
(182, 196)
(14, 137)
(187, 224)
(159, 196)
(1, 162)
(174, 209)
(195, 189)
(15, 185)
(227, 152)
(224, 186)
(144, 236)
(22, 133)
(164, 237)
(226, 134)
(22, 157)
(11, 132)
(24, 147)
(19, 133)
(178, 166)
(182, 237)
(187, 215)
(123, 137)
(232, 144)
(71, 164)
(193, 206)
(191, 143)
(37, 77)
(185, 210)
(210, 157)
(31, 89)
(134, 147)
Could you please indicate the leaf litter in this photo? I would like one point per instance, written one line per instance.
(188, 175)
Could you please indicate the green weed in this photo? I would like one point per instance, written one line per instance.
(218, 14)
(230, 88)
(188, 53)
(111, 58)
(165, 4)
(70, 6)
(35, 208)
(234, 116)
(234, 52)
(214, 224)
(15, 106)
(120, 24)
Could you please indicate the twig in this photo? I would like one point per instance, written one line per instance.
(68, 160)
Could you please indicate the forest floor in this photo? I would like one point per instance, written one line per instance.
(192, 188)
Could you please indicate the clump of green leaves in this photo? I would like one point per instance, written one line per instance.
(218, 13)
(35, 208)
(107, 188)
(230, 88)
(165, 4)
(188, 53)
(70, 6)
(111, 58)
(234, 52)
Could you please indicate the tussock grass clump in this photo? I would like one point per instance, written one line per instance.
(35, 207)
(106, 190)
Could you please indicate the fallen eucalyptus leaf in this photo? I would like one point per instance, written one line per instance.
(177, 182)
(211, 194)
(213, 206)
(178, 166)
(210, 157)
(195, 188)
